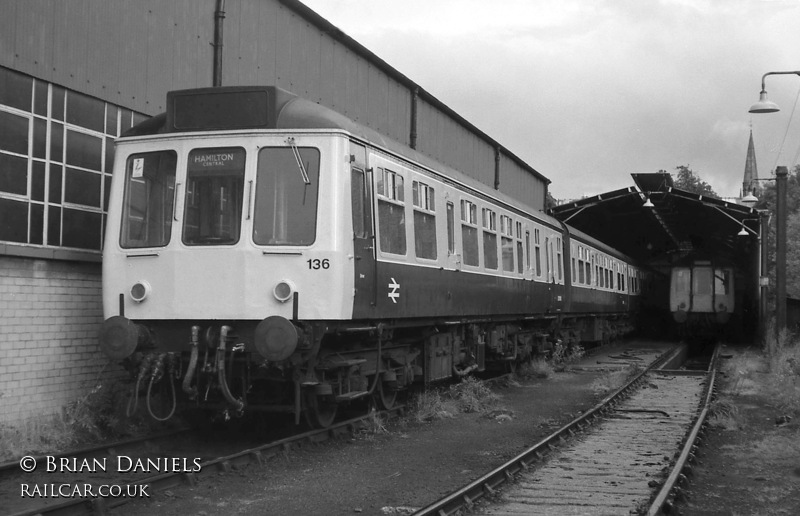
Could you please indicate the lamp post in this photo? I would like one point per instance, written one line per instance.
(766, 106)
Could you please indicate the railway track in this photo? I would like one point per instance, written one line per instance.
(100, 505)
(625, 455)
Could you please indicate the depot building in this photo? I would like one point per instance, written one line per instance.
(76, 75)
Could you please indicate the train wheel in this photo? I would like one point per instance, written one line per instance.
(386, 396)
(320, 412)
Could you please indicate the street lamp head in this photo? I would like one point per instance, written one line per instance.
(749, 200)
(764, 105)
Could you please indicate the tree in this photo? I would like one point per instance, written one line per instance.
(688, 181)
(766, 201)
(550, 201)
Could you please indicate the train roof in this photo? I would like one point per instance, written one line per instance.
(270, 107)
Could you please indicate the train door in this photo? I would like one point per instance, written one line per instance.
(548, 256)
(363, 232)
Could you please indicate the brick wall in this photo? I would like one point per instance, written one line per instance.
(50, 314)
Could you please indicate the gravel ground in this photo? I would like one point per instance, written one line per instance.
(750, 462)
(411, 465)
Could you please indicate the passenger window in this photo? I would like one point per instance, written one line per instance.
(451, 229)
(424, 221)
(537, 252)
(489, 238)
(469, 232)
(507, 242)
(519, 247)
(528, 248)
(391, 212)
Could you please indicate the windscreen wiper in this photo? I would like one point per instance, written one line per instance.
(299, 160)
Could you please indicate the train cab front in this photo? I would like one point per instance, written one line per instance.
(223, 257)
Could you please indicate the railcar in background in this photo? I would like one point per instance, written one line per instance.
(702, 298)
(266, 253)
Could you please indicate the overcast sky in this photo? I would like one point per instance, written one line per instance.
(590, 91)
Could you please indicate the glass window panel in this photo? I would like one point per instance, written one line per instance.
(40, 98)
(702, 281)
(81, 229)
(39, 138)
(81, 187)
(57, 112)
(36, 230)
(53, 225)
(109, 162)
(37, 181)
(111, 119)
(84, 150)
(392, 221)
(721, 281)
(451, 228)
(13, 221)
(85, 111)
(214, 193)
(15, 89)
(519, 256)
(54, 191)
(358, 199)
(469, 239)
(57, 142)
(507, 247)
(489, 250)
(126, 115)
(425, 235)
(286, 206)
(13, 174)
(147, 208)
(13, 133)
(528, 247)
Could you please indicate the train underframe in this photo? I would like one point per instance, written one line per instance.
(332, 364)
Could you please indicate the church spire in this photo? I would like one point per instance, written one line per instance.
(750, 169)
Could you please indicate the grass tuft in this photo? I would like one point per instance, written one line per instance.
(472, 395)
(783, 362)
(536, 368)
(374, 424)
(563, 355)
(467, 396)
(724, 414)
(96, 417)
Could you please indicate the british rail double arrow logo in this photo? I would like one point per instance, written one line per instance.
(394, 294)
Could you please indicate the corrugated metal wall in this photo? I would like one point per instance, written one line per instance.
(128, 53)
(132, 52)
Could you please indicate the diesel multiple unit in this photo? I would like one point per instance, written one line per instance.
(264, 252)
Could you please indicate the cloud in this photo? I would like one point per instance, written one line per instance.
(589, 92)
